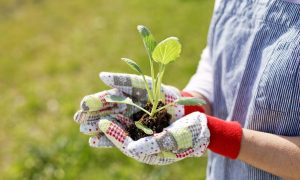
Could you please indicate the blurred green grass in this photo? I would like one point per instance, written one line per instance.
(50, 55)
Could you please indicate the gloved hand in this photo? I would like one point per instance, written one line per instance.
(186, 137)
(94, 107)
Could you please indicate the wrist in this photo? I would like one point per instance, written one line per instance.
(190, 109)
(225, 137)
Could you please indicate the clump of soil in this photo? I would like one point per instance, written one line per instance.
(157, 123)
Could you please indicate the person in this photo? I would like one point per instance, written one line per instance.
(249, 76)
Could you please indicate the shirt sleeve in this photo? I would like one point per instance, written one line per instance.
(217, 3)
(201, 81)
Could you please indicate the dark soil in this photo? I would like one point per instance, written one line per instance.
(157, 123)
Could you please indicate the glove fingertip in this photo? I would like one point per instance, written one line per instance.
(112, 130)
(101, 74)
(104, 124)
(93, 102)
(107, 78)
(77, 117)
(83, 104)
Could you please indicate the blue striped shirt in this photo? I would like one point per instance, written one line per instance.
(251, 74)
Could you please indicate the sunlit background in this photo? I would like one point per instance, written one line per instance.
(51, 52)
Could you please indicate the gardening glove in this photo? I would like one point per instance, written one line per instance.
(186, 137)
(94, 107)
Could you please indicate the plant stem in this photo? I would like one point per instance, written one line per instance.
(158, 88)
(165, 106)
(150, 93)
(162, 71)
(152, 76)
(141, 109)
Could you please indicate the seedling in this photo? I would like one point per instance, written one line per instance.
(161, 53)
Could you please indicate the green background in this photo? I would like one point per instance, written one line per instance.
(51, 52)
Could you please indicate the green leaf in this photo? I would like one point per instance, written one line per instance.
(148, 39)
(142, 127)
(133, 65)
(190, 101)
(118, 99)
(167, 50)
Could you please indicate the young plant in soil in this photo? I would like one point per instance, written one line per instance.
(154, 116)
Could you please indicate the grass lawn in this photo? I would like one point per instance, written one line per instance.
(50, 55)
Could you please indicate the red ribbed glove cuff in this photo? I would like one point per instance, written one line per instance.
(190, 109)
(225, 137)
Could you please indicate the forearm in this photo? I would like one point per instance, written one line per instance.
(279, 155)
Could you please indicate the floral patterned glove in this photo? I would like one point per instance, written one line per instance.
(94, 108)
(186, 137)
